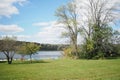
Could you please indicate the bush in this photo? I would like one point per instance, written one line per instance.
(68, 52)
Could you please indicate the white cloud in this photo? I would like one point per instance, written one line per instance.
(7, 7)
(42, 24)
(23, 37)
(10, 28)
(50, 33)
(118, 29)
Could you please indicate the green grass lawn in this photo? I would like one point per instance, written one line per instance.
(64, 69)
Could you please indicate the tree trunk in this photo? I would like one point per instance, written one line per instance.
(31, 58)
(75, 47)
(22, 58)
(76, 51)
(9, 60)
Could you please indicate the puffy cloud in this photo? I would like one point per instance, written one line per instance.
(7, 7)
(42, 24)
(50, 33)
(10, 28)
(23, 37)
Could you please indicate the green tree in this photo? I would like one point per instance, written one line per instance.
(22, 51)
(96, 28)
(8, 46)
(29, 49)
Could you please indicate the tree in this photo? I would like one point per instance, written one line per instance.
(67, 15)
(29, 49)
(96, 16)
(9, 47)
(22, 51)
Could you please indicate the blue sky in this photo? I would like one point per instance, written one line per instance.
(30, 20)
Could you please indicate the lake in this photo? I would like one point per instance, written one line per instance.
(40, 55)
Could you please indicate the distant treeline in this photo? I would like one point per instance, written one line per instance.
(52, 47)
(46, 47)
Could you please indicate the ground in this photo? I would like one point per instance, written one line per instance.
(63, 69)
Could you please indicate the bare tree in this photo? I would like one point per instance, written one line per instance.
(67, 15)
(97, 12)
(8, 47)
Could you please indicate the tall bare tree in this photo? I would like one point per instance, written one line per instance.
(67, 15)
(97, 12)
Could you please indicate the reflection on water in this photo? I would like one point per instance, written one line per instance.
(39, 55)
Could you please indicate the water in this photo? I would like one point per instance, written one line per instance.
(39, 55)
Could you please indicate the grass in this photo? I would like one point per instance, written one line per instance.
(64, 69)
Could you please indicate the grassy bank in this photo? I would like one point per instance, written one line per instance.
(62, 70)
